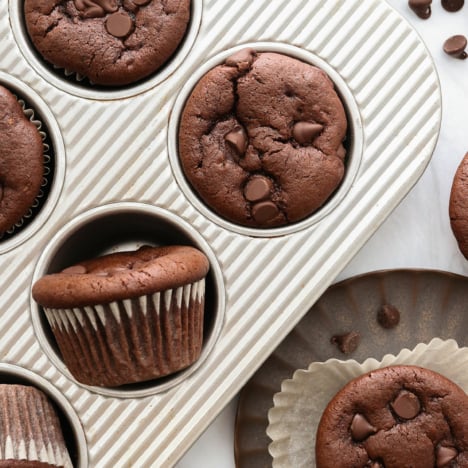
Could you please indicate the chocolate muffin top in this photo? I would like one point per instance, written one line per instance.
(122, 275)
(111, 42)
(398, 416)
(261, 139)
(458, 206)
(21, 161)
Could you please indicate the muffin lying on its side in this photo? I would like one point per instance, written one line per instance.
(129, 316)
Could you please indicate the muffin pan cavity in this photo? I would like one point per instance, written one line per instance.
(353, 142)
(78, 85)
(54, 163)
(127, 226)
(72, 429)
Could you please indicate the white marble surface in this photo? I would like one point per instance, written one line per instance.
(417, 234)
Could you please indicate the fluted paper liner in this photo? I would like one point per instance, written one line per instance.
(297, 409)
(133, 340)
(29, 428)
(29, 113)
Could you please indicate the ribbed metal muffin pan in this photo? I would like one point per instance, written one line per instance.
(117, 147)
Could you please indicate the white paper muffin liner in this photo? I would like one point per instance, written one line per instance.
(29, 428)
(297, 409)
(132, 340)
(30, 114)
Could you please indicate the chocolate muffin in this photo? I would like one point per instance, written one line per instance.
(129, 316)
(30, 432)
(458, 206)
(111, 42)
(394, 417)
(261, 139)
(21, 162)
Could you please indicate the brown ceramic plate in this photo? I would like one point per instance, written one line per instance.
(432, 304)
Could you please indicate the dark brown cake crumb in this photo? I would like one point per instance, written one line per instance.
(347, 343)
(388, 316)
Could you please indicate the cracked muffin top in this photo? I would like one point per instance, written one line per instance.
(394, 417)
(121, 275)
(261, 139)
(111, 42)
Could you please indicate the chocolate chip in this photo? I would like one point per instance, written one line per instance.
(241, 59)
(406, 405)
(347, 343)
(95, 8)
(264, 211)
(74, 270)
(445, 455)
(421, 7)
(257, 188)
(455, 46)
(237, 139)
(453, 5)
(361, 428)
(388, 316)
(141, 2)
(119, 24)
(306, 132)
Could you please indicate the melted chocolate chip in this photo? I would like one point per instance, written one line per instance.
(306, 132)
(388, 316)
(141, 2)
(74, 270)
(241, 59)
(445, 455)
(264, 211)
(237, 139)
(95, 8)
(455, 46)
(422, 8)
(347, 343)
(257, 189)
(406, 405)
(119, 24)
(453, 5)
(361, 428)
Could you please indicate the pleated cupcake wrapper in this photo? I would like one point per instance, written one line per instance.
(30, 429)
(29, 113)
(297, 409)
(132, 340)
(73, 76)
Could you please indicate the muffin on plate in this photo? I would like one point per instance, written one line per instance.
(30, 432)
(21, 162)
(110, 42)
(261, 139)
(393, 417)
(129, 316)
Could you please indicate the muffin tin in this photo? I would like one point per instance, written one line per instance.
(116, 160)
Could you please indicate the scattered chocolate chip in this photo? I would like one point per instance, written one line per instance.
(141, 2)
(74, 270)
(361, 428)
(347, 343)
(264, 211)
(453, 5)
(119, 24)
(241, 59)
(237, 139)
(406, 405)
(455, 46)
(445, 455)
(257, 188)
(95, 8)
(306, 132)
(421, 7)
(388, 316)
